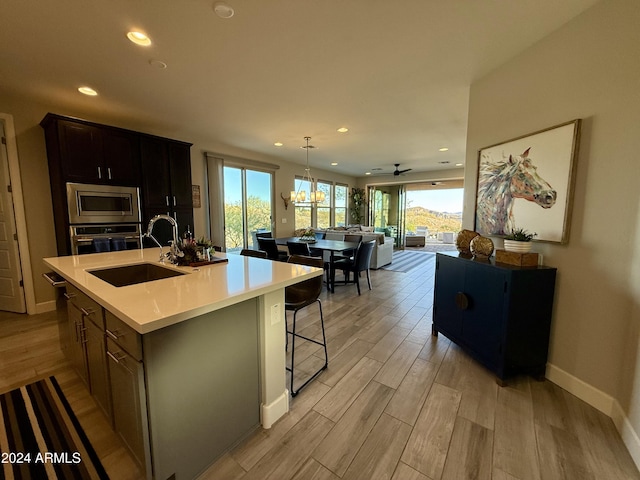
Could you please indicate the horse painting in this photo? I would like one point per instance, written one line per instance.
(500, 183)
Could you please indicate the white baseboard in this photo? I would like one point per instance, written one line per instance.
(44, 307)
(602, 402)
(628, 434)
(269, 414)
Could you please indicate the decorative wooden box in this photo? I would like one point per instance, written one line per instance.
(529, 259)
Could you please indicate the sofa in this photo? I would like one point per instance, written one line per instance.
(382, 253)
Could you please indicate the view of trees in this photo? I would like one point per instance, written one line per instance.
(258, 216)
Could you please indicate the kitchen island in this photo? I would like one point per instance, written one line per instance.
(203, 352)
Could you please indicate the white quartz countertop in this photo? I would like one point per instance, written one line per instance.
(156, 304)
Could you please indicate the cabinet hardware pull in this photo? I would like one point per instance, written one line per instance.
(113, 335)
(69, 296)
(115, 358)
(99, 172)
(109, 172)
(174, 200)
(86, 312)
(462, 301)
(166, 197)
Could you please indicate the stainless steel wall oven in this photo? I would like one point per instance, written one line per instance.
(103, 218)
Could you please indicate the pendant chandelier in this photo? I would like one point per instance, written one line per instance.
(299, 196)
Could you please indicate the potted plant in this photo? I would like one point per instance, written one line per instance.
(519, 240)
(357, 202)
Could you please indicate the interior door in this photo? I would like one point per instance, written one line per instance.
(11, 289)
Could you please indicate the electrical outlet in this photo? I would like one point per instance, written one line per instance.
(284, 220)
(275, 314)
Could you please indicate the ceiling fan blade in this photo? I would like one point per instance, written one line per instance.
(405, 170)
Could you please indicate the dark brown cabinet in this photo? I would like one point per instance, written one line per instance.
(85, 152)
(79, 151)
(500, 314)
(166, 184)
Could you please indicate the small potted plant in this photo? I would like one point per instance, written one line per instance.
(519, 240)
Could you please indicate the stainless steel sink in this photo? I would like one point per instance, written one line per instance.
(132, 274)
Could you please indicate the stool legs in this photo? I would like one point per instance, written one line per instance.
(293, 349)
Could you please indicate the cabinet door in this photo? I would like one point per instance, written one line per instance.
(121, 157)
(97, 366)
(180, 167)
(449, 286)
(128, 397)
(482, 327)
(76, 351)
(156, 186)
(81, 152)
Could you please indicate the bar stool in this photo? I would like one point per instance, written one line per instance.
(297, 297)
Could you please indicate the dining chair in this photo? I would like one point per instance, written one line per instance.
(253, 253)
(296, 297)
(360, 263)
(269, 245)
(298, 248)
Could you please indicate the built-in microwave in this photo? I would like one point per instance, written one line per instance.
(102, 204)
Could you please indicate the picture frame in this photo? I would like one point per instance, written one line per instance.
(195, 195)
(527, 183)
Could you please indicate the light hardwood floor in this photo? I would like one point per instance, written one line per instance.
(395, 403)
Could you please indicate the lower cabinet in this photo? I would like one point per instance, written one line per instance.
(128, 398)
(85, 345)
(128, 395)
(500, 314)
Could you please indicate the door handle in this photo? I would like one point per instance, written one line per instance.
(462, 301)
(166, 198)
(99, 172)
(109, 172)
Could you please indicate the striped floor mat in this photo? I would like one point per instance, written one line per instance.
(41, 438)
(405, 260)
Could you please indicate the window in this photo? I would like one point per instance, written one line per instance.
(323, 210)
(331, 212)
(340, 205)
(247, 206)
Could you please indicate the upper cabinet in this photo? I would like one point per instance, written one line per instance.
(166, 183)
(86, 152)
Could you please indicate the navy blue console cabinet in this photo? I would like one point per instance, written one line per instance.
(498, 313)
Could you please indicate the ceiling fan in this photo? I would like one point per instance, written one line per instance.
(395, 173)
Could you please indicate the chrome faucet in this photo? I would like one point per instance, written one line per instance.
(174, 251)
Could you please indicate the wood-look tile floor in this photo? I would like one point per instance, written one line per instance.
(395, 402)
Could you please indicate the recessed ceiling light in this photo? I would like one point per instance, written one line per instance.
(278, 144)
(343, 129)
(459, 164)
(333, 164)
(368, 173)
(443, 149)
(88, 91)
(139, 38)
(158, 64)
(223, 10)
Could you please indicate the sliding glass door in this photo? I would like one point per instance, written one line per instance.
(248, 206)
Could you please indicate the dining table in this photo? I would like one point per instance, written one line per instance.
(331, 246)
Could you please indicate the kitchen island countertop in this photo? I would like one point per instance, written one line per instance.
(149, 306)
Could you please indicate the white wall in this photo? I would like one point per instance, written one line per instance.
(588, 69)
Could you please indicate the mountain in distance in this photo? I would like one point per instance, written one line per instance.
(433, 220)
